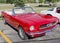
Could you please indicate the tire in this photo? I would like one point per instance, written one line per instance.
(22, 34)
(49, 14)
(4, 21)
(59, 22)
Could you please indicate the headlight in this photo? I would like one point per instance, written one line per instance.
(32, 28)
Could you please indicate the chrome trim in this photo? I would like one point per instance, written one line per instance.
(50, 25)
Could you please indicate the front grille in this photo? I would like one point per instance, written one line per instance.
(47, 25)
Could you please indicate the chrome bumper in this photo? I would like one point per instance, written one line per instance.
(33, 33)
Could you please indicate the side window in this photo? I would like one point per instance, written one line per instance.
(58, 8)
(51, 9)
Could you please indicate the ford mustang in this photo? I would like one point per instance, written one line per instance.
(28, 23)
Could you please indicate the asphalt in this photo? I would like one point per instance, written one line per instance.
(51, 37)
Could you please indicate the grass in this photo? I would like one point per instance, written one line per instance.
(0, 18)
(38, 9)
(5, 6)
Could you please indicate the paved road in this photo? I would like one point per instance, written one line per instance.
(51, 37)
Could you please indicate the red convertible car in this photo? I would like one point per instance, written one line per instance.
(28, 23)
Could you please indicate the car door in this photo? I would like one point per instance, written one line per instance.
(13, 21)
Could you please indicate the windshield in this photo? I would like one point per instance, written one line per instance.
(51, 9)
(20, 10)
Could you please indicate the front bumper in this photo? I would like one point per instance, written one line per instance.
(34, 34)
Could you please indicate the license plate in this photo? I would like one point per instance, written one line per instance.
(47, 32)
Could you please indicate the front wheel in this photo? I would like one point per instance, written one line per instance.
(49, 14)
(22, 34)
(59, 21)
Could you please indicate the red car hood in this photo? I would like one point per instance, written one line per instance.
(35, 19)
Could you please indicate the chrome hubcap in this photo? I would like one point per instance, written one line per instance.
(21, 33)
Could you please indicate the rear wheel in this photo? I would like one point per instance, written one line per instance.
(4, 21)
(22, 34)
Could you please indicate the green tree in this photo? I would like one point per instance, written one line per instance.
(19, 3)
(41, 1)
(2, 1)
(9, 1)
(16, 2)
(55, 1)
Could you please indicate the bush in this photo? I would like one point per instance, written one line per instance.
(19, 3)
(32, 1)
(40, 1)
(2, 1)
(9, 1)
